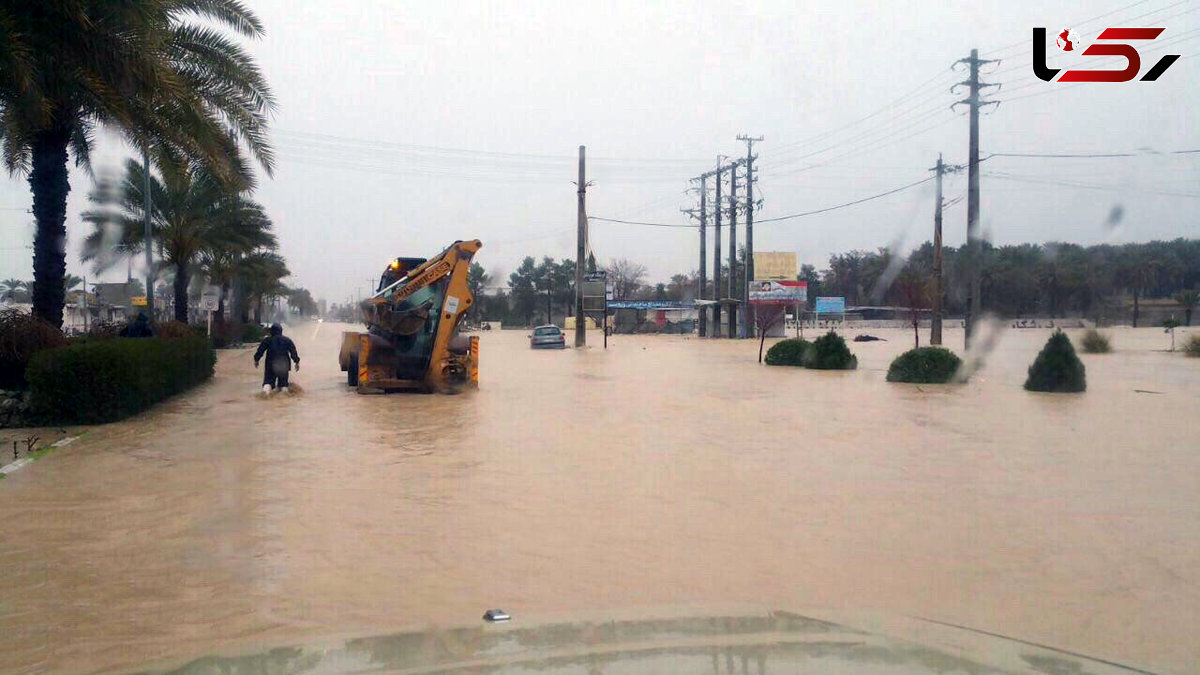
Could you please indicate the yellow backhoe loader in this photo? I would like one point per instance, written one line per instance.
(412, 339)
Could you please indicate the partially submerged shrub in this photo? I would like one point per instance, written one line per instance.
(829, 352)
(253, 333)
(173, 330)
(788, 352)
(1057, 368)
(1095, 342)
(21, 336)
(925, 365)
(99, 381)
(1192, 346)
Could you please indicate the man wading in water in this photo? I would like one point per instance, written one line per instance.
(280, 351)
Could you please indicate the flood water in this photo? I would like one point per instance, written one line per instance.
(666, 471)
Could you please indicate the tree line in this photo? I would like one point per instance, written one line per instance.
(1053, 279)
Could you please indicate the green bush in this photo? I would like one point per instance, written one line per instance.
(21, 336)
(926, 365)
(1095, 342)
(829, 352)
(1192, 346)
(1056, 367)
(253, 333)
(107, 380)
(788, 352)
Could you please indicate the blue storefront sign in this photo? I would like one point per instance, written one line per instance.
(831, 305)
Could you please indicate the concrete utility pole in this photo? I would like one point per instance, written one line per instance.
(580, 252)
(974, 245)
(935, 322)
(733, 295)
(703, 254)
(148, 234)
(751, 319)
(716, 329)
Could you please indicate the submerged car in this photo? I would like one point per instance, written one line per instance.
(547, 337)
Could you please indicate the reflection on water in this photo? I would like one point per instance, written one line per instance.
(663, 471)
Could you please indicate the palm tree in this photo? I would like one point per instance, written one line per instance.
(262, 273)
(1189, 300)
(70, 281)
(11, 289)
(186, 218)
(159, 72)
(243, 228)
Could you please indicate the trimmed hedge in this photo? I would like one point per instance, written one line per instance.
(829, 352)
(788, 352)
(21, 337)
(926, 365)
(108, 380)
(1095, 342)
(1057, 368)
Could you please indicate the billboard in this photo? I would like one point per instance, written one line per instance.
(775, 265)
(835, 305)
(768, 292)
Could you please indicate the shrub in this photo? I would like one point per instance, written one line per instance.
(926, 365)
(253, 333)
(788, 352)
(1056, 367)
(106, 380)
(1095, 342)
(173, 330)
(829, 352)
(21, 336)
(1192, 346)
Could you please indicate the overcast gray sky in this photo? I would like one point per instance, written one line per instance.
(405, 125)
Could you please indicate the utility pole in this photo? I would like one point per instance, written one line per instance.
(974, 245)
(580, 252)
(733, 308)
(148, 234)
(751, 318)
(935, 322)
(702, 281)
(716, 329)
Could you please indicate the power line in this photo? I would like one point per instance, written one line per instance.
(778, 218)
(847, 204)
(1086, 186)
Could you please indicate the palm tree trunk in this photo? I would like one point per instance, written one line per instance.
(1187, 315)
(219, 316)
(181, 293)
(258, 310)
(1135, 308)
(49, 183)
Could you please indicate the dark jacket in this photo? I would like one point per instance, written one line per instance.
(280, 351)
(140, 328)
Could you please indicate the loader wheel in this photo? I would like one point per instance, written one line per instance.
(352, 371)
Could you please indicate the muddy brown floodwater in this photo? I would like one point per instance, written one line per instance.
(665, 471)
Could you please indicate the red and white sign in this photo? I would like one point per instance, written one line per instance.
(778, 292)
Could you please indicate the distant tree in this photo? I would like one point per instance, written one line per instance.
(1189, 299)
(809, 275)
(914, 288)
(477, 280)
(522, 289)
(626, 278)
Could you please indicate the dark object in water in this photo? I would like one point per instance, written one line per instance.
(494, 615)
(868, 338)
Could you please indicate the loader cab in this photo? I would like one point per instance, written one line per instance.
(397, 269)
